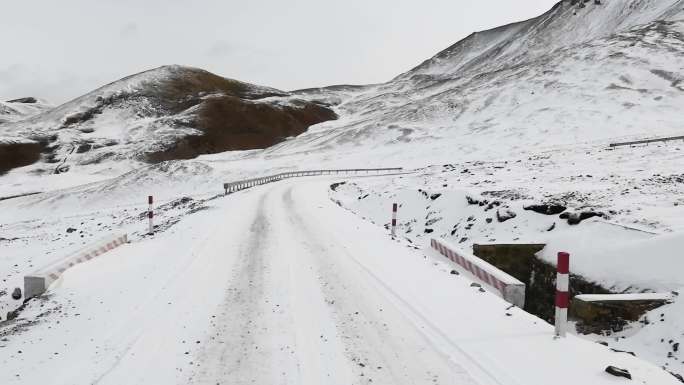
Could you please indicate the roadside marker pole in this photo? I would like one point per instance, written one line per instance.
(562, 296)
(150, 214)
(394, 220)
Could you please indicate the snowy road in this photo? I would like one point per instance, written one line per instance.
(278, 285)
(301, 310)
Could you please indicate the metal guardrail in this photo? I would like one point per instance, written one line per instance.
(247, 183)
(646, 141)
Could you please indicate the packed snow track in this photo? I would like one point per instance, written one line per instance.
(279, 285)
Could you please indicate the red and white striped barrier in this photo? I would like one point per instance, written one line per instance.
(510, 288)
(38, 282)
(562, 295)
(150, 215)
(394, 220)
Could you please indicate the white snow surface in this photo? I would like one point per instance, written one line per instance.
(277, 284)
(627, 258)
(625, 297)
(15, 111)
(270, 280)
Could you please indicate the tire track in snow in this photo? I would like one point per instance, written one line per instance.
(230, 352)
(249, 342)
(383, 346)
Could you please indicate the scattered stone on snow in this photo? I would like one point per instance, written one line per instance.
(615, 371)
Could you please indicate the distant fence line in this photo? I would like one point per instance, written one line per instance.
(247, 183)
(646, 141)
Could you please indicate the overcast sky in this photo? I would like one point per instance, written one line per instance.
(60, 49)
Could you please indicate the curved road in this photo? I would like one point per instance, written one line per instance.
(279, 285)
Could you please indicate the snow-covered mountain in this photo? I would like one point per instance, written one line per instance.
(572, 75)
(517, 115)
(22, 108)
(171, 112)
(581, 73)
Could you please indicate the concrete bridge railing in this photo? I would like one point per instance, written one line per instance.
(247, 183)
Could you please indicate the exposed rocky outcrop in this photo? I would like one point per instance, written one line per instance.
(167, 113)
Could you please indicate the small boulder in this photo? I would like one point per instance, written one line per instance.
(617, 372)
(475, 284)
(16, 294)
(70, 230)
(546, 208)
(504, 215)
(454, 272)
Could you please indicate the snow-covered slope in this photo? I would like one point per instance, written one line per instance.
(170, 112)
(519, 114)
(22, 108)
(571, 75)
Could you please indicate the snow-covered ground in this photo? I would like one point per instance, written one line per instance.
(19, 109)
(265, 285)
(626, 251)
(278, 284)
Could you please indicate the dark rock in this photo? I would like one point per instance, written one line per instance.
(618, 372)
(435, 196)
(13, 155)
(28, 100)
(546, 209)
(454, 272)
(428, 231)
(16, 294)
(492, 205)
(553, 226)
(505, 215)
(577, 218)
(474, 201)
(622, 351)
(12, 315)
(70, 230)
(85, 147)
(489, 220)
(574, 219)
(590, 214)
(675, 346)
(604, 343)
(475, 284)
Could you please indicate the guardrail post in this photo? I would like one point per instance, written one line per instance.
(150, 214)
(394, 220)
(562, 296)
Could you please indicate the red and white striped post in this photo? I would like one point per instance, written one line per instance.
(562, 296)
(394, 220)
(150, 214)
